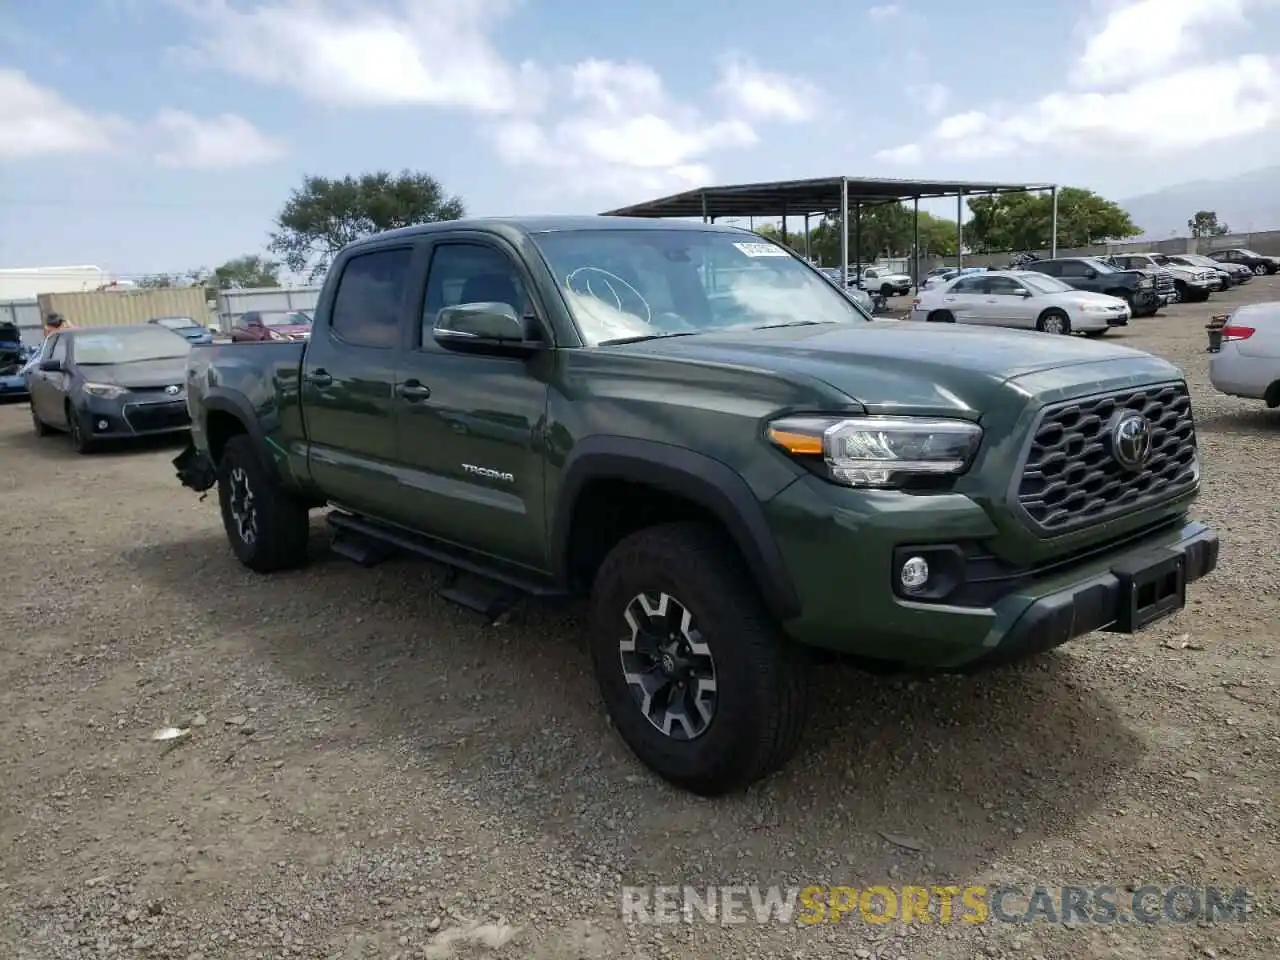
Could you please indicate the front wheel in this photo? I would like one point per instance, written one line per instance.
(1054, 321)
(80, 441)
(695, 673)
(267, 528)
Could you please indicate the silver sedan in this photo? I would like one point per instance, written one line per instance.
(1021, 299)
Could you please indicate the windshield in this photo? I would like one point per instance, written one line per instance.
(1100, 265)
(1042, 283)
(623, 284)
(1251, 253)
(176, 323)
(283, 319)
(128, 346)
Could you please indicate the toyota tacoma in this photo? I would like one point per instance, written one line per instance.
(687, 425)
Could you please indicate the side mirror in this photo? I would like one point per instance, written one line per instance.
(1022, 292)
(51, 366)
(1091, 274)
(493, 328)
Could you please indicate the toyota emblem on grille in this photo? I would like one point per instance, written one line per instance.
(1131, 440)
(172, 390)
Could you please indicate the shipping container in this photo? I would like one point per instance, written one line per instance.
(126, 306)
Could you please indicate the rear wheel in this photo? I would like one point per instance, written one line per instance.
(1259, 270)
(694, 671)
(941, 316)
(268, 529)
(886, 291)
(1054, 321)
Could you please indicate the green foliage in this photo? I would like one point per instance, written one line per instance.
(1024, 221)
(323, 216)
(881, 231)
(245, 273)
(1205, 224)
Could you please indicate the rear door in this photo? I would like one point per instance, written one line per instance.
(349, 373)
(470, 427)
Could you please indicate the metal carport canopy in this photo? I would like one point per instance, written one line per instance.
(796, 198)
(830, 195)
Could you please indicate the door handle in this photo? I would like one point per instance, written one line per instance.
(320, 378)
(413, 390)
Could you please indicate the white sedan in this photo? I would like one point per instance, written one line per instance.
(1023, 299)
(1247, 361)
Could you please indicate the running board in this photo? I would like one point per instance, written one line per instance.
(473, 582)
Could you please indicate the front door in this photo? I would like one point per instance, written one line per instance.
(349, 376)
(1004, 306)
(470, 427)
(48, 390)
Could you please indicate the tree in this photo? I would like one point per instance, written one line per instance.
(886, 230)
(1205, 224)
(323, 216)
(1024, 221)
(245, 273)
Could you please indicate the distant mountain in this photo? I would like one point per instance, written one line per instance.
(1249, 201)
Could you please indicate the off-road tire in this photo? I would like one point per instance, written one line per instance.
(762, 679)
(1054, 313)
(41, 428)
(282, 523)
(940, 316)
(75, 428)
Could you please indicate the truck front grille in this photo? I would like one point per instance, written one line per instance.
(1164, 283)
(1071, 478)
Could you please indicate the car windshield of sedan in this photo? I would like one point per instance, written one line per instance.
(1252, 253)
(128, 346)
(624, 285)
(1041, 283)
(283, 319)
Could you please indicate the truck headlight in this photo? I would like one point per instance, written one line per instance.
(107, 391)
(878, 452)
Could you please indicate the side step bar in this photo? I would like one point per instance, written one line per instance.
(484, 587)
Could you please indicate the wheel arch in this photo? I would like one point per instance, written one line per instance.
(227, 414)
(682, 478)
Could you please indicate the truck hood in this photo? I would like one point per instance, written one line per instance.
(902, 366)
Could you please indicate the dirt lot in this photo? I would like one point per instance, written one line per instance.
(371, 773)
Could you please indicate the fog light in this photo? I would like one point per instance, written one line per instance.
(914, 574)
(103, 424)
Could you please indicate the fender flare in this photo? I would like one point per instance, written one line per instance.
(220, 400)
(693, 476)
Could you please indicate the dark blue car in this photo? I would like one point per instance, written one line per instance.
(187, 327)
(13, 358)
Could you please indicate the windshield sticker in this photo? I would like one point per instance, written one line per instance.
(761, 250)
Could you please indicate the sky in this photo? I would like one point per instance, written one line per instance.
(149, 136)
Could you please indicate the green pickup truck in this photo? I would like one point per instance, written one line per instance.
(690, 426)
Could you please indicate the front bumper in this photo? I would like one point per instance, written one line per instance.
(195, 469)
(127, 417)
(844, 561)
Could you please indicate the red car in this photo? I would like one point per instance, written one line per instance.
(258, 326)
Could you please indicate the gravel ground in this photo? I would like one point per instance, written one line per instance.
(372, 773)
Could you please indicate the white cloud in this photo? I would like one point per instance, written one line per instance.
(907, 155)
(37, 121)
(432, 52)
(1171, 31)
(754, 93)
(622, 132)
(888, 11)
(220, 143)
(1129, 99)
